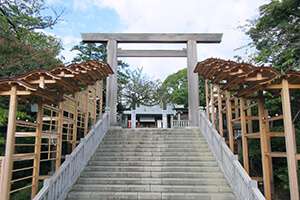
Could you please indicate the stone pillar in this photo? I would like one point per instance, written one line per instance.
(193, 91)
(112, 87)
(133, 119)
(165, 120)
(171, 121)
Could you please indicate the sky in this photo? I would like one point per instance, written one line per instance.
(157, 16)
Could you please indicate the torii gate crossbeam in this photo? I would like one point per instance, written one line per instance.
(190, 39)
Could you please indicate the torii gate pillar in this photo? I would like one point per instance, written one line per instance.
(193, 86)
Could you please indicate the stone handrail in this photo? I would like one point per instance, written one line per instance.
(1, 170)
(180, 123)
(58, 186)
(244, 188)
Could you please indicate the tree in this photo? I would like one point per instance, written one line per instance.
(93, 51)
(90, 51)
(140, 90)
(176, 88)
(23, 46)
(275, 34)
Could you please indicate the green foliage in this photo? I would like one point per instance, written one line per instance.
(23, 46)
(276, 34)
(176, 88)
(89, 51)
(93, 51)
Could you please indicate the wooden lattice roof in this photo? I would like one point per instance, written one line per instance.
(242, 78)
(60, 80)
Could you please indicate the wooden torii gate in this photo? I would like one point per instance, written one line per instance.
(190, 39)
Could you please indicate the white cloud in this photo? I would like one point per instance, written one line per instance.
(185, 16)
(68, 42)
(177, 16)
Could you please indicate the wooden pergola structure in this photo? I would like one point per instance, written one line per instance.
(235, 104)
(64, 102)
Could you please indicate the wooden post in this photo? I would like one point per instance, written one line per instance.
(236, 108)
(37, 150)
(101, 98)
(86, 107)
(95, 105)
(290, 141)
(229, 121)
(220, 113)
(75, 119)
(59, 135)
(244, 138)
(207, 97)
(264, 145)
(9, 148)
(212, 107)
(249, 113)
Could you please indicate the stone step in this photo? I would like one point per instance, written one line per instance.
(152, 163)
(153, 158)
(146, 149)
(133, 153)
(151, 188)
(148, 196)
(196, 145)
(88, 174)
(152, 181)
(192, 141)
(151, 168)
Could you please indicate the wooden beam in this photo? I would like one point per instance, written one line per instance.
(265, 151)
(290, 141)
(152, 37)
(37, 151)
(10, 142)
(229, 123)
(244, 138)
(151, 53)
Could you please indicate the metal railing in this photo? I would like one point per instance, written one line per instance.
(180, 123)
(242, 185)
(58, 186)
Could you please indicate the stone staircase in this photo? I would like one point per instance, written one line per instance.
(152, 164)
